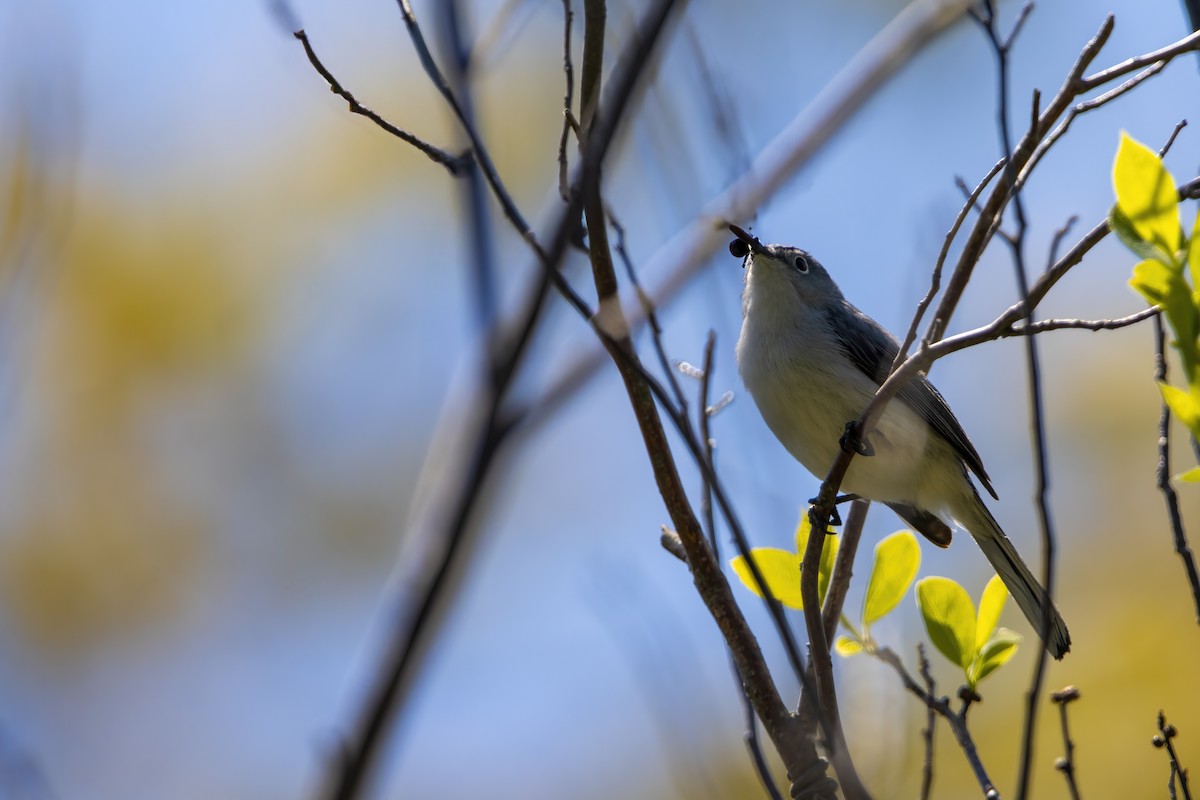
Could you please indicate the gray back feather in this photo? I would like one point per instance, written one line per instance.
(873, 349)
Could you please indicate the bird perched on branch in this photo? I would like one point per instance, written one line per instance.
(812, 362)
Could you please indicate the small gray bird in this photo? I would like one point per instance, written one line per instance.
(812, 362)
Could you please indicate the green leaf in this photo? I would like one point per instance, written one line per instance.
(829, 550)
(1001, 647)
(1191, 476)
(779, 568)
(1193, 256)
(1184, 405)
(846, 647)
(897, 559)
(803, 529)
(828, 556)
(990, 606)
(1146, 194)
(1123, 228)
(949, 618)
(1164, 286)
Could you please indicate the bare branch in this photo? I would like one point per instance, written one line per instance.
(1059, 235)
(1171, 139)
(1167, 732)
(843, 568)
(941, 705)
(564, 189)
(1042, 326)
(936, 278)
(454, 164)
(1066, 764)
(1164, 54)
(647, 306)
(482, 155)
(930, 720)
(1163, 471)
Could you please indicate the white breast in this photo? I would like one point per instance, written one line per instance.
(807, 390)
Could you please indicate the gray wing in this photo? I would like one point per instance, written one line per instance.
(873, 349)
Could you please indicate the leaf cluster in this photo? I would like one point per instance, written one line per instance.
(970, 640)
(1146, 218)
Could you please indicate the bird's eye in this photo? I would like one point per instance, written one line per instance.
(801, 263)
(738, 248)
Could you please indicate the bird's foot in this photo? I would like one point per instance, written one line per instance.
(851, 442)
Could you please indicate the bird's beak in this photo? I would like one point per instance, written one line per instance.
(752, 243)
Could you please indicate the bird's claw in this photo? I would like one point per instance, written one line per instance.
(851, 442)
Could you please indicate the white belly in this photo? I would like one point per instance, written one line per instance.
(793, 393)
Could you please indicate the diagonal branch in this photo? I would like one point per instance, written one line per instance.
(454, 164)
(482, 155)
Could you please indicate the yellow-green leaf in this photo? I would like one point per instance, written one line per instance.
(1164, 286)
(1146, 193)
(829, 550)
(1191, 476)
(1184, 405)
(828, 557)
(845, 646)
(1123, 228)
(897, 559)
(1194, 251)
(1001, 647)
(779, 568)
(1152, 279)
(991, 603)
(803, 529)
(949, 618)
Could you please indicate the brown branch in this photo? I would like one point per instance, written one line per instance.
(993, 208)
(482, 155)
(797, 751)
(843, 568)
(1066, 764)
(941, 705)
(1167, 732)
(1164, 54)
(454, 164)
(568, 97)
(1163, 472)
(928, 730)
(1042, 326)
(935, 281)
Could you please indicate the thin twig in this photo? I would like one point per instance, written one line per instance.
(454, 164)
(1171, 139)
(753, 744)
(1001, 48)
(1000, 195)
(1163, 471)
(475, 198)
(935, 280)
(941, 705)
(706, 505)
(835, 598)
(482, 155)
(930, 720)
(1059, 235)
(1066, 764)
(568, 98)
(1164, 54)
(1079, 109)
(1166, 733)
(647, 306)
(843, 567)
(1044, 325)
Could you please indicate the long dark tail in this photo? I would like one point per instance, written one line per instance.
(1021, 583)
